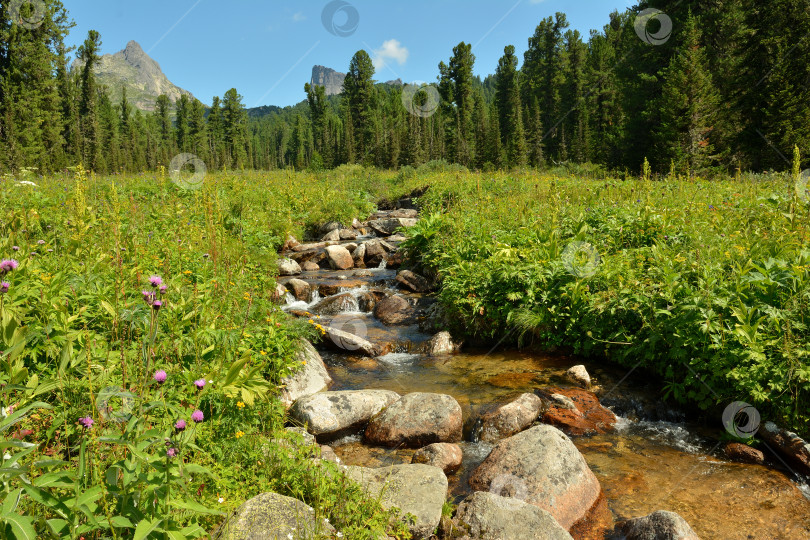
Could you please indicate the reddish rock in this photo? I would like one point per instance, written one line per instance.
(446, 456)
(300, 289)
(395, 260)
(588, 418)
(394, 310)
(511, 418)
(290, 243)
(597, 522)
(743, 453)
(787, 443)
(416, 420)
(309, 266)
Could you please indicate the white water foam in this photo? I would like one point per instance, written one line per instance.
(668, 433)
(398, 359)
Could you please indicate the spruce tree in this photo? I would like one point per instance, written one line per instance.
(510, 112)
(358, 91)
(88, 101)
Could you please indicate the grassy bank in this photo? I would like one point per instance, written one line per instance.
(703, 283)
(144, 353)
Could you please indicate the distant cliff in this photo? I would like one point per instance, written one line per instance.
(330, 79)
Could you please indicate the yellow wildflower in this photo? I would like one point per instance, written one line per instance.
(240, 404)
(240, 434)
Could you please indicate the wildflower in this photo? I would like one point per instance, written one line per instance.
(199, 383)
(17, 248)
(220, 500)
(240, 404)
(148, 297)
(197, 416)
(263, 353)
(205, 255)
(240, 434)
(156, 281)
(87, 422)
(180, 425)
(41, 242)
(7, 265)
(4, 286)
(163, 289)
(171, 452)
(160, 376)
(157, 304)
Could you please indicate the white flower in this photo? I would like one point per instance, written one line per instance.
(340, 534)
(337, 460)
(289, 535)
(212, 382)
(6, 456)
(221, 500)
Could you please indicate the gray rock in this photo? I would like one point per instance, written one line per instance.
(541, 466)
(359, 256)
(310, 266)
(413, 282)
(375, 253)
(564, 402)
(660, 525)
(441, 344)
(348, 234)
(416, 420)
(494, 517)
(335, 304)
(310, 379)
(394, 310)
(280, 294)
(387, 227)
(511, 418)
(329, 413)
(331, 226)
(350, 342)
(288, 267)
(331, 236)
(331, 80)
(339, 258)
(300, 289)
(446, 456)
(579, 376)
(271, 516)
(419, 490)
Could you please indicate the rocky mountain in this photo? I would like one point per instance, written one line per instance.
(139, 73)
(328, 78)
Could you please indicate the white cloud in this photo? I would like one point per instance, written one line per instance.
(390, 50)
(298, 17)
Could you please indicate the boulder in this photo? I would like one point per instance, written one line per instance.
(331, 226)
(579, 376)
(356, 224)
(419, 490)
(395, 260)
(300, 289)
(280, 294)
(310, 379)
(541, 466)
(359, 256)
(328, 454)
(312, 255)
(374, 253)
(387, 227)
(588, 416)
(511, 418)
(331, 236)
(288, 267)
(339, 258)
(787, 443)
(348, 234)
(403, 213)
(290, 243)
(416, 420)
(341, 412)
(309, 246)
(271, 516)
(742, 453)
(351, 342)
(487, 515)
(310, 266)
(446, 456)
(441, 344)
(339, 303)
(394, 310)
(413, 282)
(660, 525)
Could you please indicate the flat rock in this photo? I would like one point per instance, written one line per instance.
(350, 342)
(488, 515)
(300, 289)
(787, 443)
(271, 516)
(511, 418)
(413, 282)
(579, 376)
(394, 310)
(389, 226)
(446, 456)
(310, 379)
(660, 525)
(420, 490)
(589, 416)
(416, 420)
(329, 413)
(339, 257)
(288, 267)
(541, 466)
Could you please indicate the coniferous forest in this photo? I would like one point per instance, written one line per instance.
(728, 89)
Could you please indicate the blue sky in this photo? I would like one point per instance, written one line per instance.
(266, 48)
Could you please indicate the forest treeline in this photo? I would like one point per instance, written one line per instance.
(728, 88)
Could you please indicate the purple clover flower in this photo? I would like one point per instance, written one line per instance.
(4, 286)
(197, 416)
(87, 422)
(7, 265)
(180, 425)
(160, 376)
(157, 304)
(199, 383)
(172, 452)
(156, 281)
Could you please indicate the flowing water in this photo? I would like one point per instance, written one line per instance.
(654, 460)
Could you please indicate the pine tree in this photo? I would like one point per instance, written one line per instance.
(235, 129)
(181, 124)
(510, 111)
(88, 103)
(460, 71)
(358, 91)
